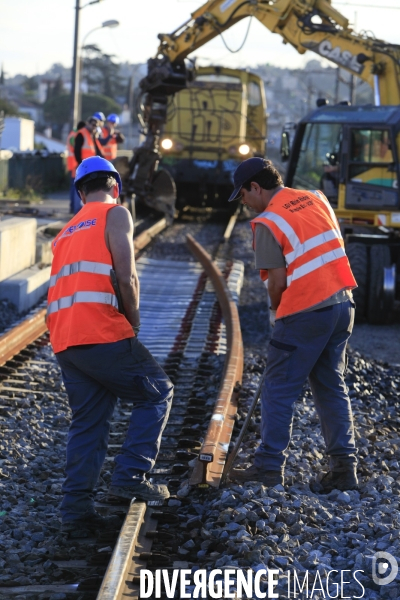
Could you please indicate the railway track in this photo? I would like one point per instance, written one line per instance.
(196, 337)
(238, 527)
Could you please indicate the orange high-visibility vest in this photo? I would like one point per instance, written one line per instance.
(82, 305)
(71, 160)
(88, 148)
(305, 226)
(110, 149)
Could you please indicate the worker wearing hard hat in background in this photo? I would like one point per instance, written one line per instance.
(300, 253)
(86, 140)
(100, 117)
(110, 137)
(74, 199)
(99, 353)
(86, 144)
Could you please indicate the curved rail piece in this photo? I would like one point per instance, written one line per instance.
(22, 335)
(214, 451)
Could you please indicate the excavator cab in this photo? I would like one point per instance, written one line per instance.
(351, 153)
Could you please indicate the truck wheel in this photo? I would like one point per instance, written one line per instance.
(358, 259)
(378, 309)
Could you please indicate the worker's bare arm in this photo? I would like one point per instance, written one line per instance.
(276, 285)
(119, 240)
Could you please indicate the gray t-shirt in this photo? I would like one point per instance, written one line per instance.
(269, 255)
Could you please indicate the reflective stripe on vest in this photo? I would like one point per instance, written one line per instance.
(300, 248)
(82, 304)
(89, 145)
(68, 301)
(110, 149)
(82, 266)
(307, 231)
(71, 160)
(326, 202)
(283, 226)
(315, 264)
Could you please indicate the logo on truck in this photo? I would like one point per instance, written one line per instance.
(341, 57)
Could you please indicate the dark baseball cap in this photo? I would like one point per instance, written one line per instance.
(247, 169)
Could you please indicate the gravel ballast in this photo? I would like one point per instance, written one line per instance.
(289, 529)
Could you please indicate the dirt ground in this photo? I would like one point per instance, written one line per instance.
(380, 342)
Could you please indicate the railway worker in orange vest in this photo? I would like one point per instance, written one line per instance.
(98, 350)
(300, 253)
(86, 141)
(110, 137)
(74, 199)
(86, 145)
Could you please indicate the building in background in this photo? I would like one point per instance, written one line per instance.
(18, 134)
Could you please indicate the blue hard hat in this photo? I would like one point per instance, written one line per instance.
(100, 116)
(113, 118)
(94, 167)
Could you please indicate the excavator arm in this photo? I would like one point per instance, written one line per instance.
(305, 24)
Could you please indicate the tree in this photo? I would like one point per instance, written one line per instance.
(55, 90)
(9, 108)
(31, 84)
(102, 73)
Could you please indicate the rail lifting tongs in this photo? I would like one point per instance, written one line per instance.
(238, 443)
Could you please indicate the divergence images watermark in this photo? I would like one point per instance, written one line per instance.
(245, 583)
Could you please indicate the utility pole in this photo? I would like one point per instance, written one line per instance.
(75, 71)
(130, 107)
(76, 66)
(2, 125)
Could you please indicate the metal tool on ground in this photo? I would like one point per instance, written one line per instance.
(233, 454)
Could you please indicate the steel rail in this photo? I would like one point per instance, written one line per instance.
(20, 336)
(25, 333)
(214, 451)
(144, 238)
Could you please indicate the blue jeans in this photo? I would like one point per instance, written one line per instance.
(95, 376)
(309, 344)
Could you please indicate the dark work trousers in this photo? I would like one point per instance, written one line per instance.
(308, 344)
(95, 376)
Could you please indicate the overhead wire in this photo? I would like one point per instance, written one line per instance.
(242, 44)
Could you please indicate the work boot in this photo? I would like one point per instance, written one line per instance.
(253, 473)
(339, 480)
(143, 491)
(90, 523)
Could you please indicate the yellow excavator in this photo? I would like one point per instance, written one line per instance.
(351, 152)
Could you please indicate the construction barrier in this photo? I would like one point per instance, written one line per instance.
(40, 173)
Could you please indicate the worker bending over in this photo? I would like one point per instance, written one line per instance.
(300, 253)
(111, 137)
(99, 353)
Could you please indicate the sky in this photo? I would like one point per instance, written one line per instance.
(35, 34)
